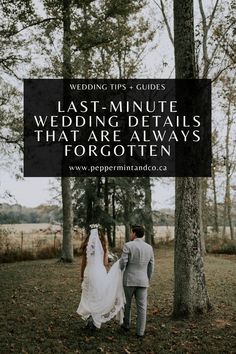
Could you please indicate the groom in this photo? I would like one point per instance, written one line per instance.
(137, 260)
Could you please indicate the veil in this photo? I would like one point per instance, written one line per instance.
(94, 250)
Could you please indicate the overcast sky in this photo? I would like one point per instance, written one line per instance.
(35, 191)
(32, 192)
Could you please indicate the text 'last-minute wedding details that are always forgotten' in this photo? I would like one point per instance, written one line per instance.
(112, 123)
(156, 124)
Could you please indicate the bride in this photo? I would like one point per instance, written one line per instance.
(102, 292)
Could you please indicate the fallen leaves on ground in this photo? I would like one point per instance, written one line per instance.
(39, 301)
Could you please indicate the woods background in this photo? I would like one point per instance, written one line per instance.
(125, 39)
(107, 39)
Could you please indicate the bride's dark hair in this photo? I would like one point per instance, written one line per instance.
(102, 237)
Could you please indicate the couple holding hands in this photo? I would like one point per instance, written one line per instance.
(109, 294)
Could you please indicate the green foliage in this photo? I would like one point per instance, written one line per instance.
(14, 52)
(11, 124)
(12, 255)
(89, 205)
(220, 246)
(16, 256)
(85, 201)
(15, 15)
(22, 215)
(107, 37)
(107, 40)
(220, 206)
(123, 41)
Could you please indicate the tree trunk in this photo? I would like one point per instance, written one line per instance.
(67, 243)
(228, 201)
(114, 216)
(190, 292)
(148, 211)
(204, 206)
(215, 225)
(224, 219)
(89, 205)
(228, 166)
(98, 202)
(127, 231)
(106, 203)
(205, 213)
(231, 227)
(127, 218)
(201, 211)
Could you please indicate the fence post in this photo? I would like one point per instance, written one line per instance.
(21, 241)
(55, 236)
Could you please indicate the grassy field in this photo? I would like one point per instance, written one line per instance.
(39, 300)
(43, 241)
(34, 234)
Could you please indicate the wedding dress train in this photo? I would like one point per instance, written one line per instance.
(102, 292)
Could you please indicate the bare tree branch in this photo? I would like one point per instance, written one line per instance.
(8, 140)
(33, 24)
(219, 42)
(96, 43)
(10, 70)
(205, 29)
(162, 8)
(213, 14)
(222, 70)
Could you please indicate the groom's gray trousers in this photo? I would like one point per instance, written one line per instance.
(137, 261)
(140, 294)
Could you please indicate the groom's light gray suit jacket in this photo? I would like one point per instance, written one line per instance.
(138, 261)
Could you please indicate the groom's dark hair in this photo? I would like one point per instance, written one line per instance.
(138, 230)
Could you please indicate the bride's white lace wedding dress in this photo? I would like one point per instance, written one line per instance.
(102, 292)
